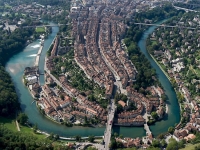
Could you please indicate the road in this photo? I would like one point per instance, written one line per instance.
(108, 130)
(107, 133)
(18, 129)
(119, 87)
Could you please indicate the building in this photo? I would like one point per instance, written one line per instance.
(31, 79)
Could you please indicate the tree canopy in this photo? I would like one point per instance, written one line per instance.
(10, 44)
(22, 118)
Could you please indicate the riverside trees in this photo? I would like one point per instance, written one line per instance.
(145, 71)
(10, 44)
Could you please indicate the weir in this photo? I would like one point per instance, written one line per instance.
(37, 59)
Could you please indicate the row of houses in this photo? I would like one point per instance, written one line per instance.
(104, 60)
(53, 104)
(134, 117)
(84, 105)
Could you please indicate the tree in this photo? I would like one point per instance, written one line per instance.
(19, 141)
(62, 97)
(119, 108)
(171, 130)
(156, 143)
(124, 98)
(119, 144)
(164, 97)
(115, 134)
(113, 143)
(161, 136)
(51, 136)
(153, 148)
(86, 120)
(22, 118)
(154, 115)
(35, 128)
(43, 112)
(91, 148)
(181, 144)
(163, 143)
(8, 97)
(78, 138)
(173, 145)
(56, 137)
(197, 147)
(91, 97)
(91, 138)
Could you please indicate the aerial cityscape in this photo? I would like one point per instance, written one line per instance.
(108, 74)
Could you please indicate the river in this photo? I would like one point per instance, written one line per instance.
(173, 115)
(15, 68)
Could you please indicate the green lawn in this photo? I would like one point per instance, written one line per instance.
(189, 147)
(40, 29)
(27, 130)
(9, 123)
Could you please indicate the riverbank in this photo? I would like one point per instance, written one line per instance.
(166, 106)
(160, 67)
(46, 115)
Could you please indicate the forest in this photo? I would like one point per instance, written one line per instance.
(10, 44)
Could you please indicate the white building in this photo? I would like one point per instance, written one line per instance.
(32, 79)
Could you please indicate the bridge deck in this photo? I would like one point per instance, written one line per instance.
(163, 25)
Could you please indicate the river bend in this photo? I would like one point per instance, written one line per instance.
(15, 68)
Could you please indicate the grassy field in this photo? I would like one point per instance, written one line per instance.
(10, 124)
(189, 147)
(27, 130)
(40, 29)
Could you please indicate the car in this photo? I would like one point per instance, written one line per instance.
(103, 142)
